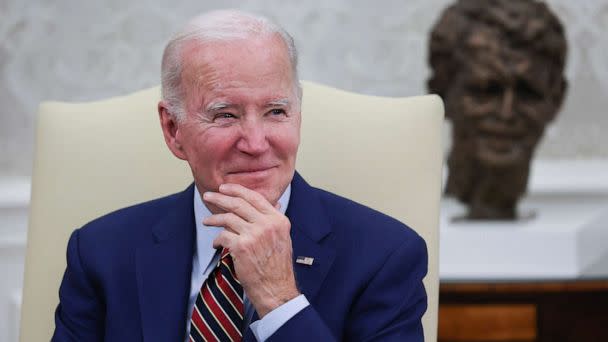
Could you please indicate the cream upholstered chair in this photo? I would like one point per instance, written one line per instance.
(92, 158)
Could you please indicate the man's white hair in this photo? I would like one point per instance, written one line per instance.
(222, 25)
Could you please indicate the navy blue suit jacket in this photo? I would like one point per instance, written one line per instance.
(128, 273)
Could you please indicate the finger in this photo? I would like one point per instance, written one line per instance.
(232, 204)
(225, 239)
(252, 197)
(229, 221)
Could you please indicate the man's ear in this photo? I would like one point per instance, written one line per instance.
(171, 131)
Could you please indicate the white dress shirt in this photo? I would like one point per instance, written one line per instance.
(204, 261)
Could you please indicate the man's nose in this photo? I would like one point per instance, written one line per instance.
(506, 108)
(253, 139)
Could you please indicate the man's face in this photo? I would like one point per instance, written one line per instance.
(500, 105)
(242, 121)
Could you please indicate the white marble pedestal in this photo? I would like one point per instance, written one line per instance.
(566, 238)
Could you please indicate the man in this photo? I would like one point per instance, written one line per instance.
(250, 250)
(499, 67)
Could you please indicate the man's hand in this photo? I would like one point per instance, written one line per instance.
(257, 236)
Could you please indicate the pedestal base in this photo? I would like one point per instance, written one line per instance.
(565, 238)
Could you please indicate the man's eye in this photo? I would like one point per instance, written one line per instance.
(277, 112)
(224, 116)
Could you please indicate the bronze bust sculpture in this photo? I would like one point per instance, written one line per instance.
(498, 65)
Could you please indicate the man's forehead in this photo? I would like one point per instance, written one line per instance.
(195, 52)
(205, 58)
(512, 67)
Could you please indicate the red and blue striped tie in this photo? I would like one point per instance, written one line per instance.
(218, 310)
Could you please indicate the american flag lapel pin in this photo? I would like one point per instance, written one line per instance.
(304, 260)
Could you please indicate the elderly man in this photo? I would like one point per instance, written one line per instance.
(250, 251)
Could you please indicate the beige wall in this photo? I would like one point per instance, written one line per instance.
(82, 50)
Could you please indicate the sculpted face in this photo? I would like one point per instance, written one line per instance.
(242, 122)
(499, 106)
(499, 68)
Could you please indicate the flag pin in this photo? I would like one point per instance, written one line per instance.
(305, 260)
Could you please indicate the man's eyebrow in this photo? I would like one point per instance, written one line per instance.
(218, 106)
(279, 102)
(215, 106)
(532, 82)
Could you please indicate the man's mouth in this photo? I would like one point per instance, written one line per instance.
(500, 152)
(494, 128)
(251, 170)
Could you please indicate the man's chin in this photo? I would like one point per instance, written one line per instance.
(272, 195)
(251, 180)
(501, 158)
(266, 188)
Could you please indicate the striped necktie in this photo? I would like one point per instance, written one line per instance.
(218, 310)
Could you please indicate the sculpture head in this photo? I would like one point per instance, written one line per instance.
(498, 65)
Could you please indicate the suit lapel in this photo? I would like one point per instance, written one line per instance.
(311, 236)
(164, 267)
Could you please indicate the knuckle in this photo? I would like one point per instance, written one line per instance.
(236, 248)
(258, 233)
(266, 234)
(283, 224)
(259, 199)
(236, 203)
(231, 218)
(247, 245)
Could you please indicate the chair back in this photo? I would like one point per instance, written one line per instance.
(92, 158)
